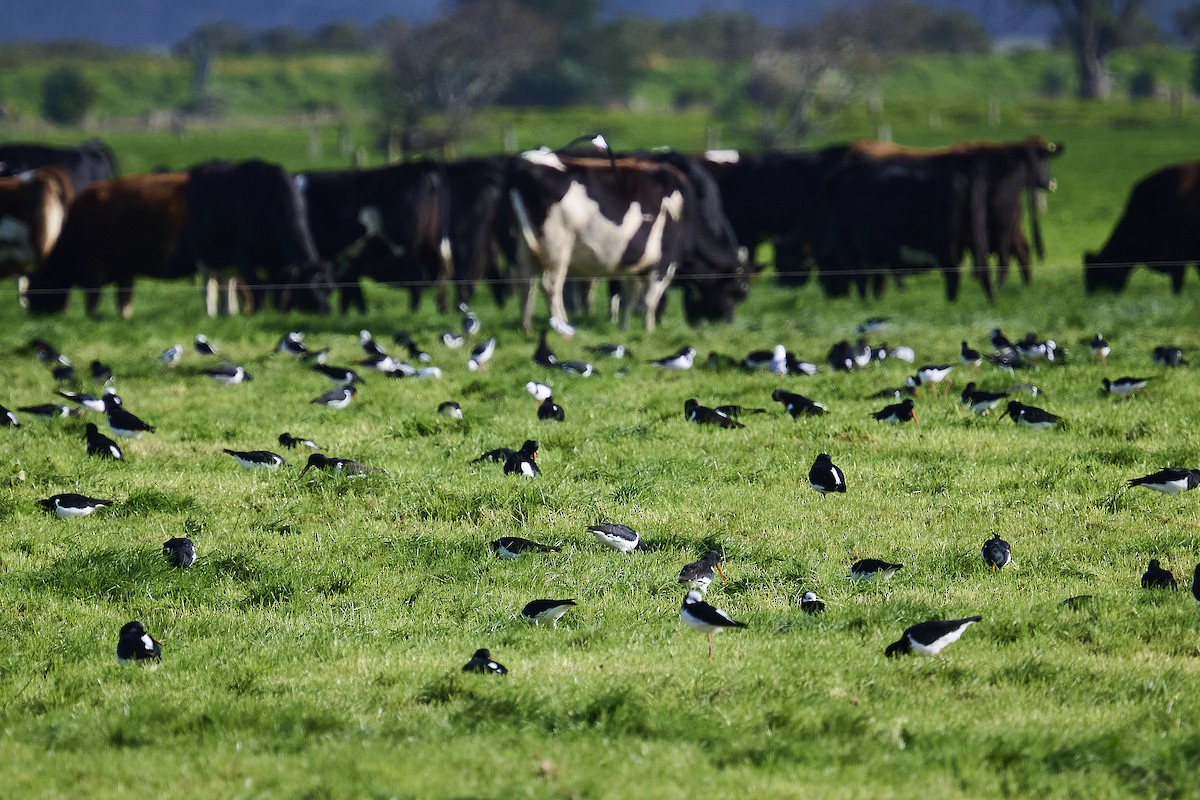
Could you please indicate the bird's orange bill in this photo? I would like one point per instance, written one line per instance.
(721, 571)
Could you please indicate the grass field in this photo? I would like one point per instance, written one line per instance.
(315, 649)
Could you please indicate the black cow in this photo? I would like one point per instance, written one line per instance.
(90, 162)
(115, 230)
(1159, 228)
(250, 216)
(477, 224)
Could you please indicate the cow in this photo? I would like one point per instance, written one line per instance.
(84, 165)
(115, 230)
(629, 219)
(386, 224)
(1160, 228)
(33, 207)
(249, 216)
(475, 200)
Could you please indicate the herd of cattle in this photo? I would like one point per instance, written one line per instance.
(855, 214)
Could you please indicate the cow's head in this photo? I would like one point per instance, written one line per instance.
(41, 297)
(713, 298)
(1037, 153)
(1098, 273)
(308, 288)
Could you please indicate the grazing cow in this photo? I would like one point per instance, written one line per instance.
(629, 219)
(386, 224)
(33, 207)
(475, 200)
(249, 216)
(1160, 228)
(84, 165)
(115, 230)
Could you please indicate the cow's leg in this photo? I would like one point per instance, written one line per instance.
(656, 287)
(91, 296)
(952, 279)
(211, 291)
(125, 298)
(23, 290)
(232, 307)
(1177, 273)
(553, 282)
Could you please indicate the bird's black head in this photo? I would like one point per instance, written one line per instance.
(898, 648)
(483, 653)
(529, 449)
(132, 628)
(690, 405)
(317, 460)
(1154, 563)
(91, 429)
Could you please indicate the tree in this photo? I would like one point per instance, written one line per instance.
(1094, 29)
(67, 96)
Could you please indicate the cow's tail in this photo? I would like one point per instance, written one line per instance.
(1035, 224)
(522, 215)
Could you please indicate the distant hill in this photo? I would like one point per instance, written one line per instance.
(161, 23)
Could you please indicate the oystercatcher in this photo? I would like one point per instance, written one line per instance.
(929, 374)
(931, 637)
(980, 401)
(1168, 357)
(451, 409)
(453, 340)
(1171, 480)
(509, 547)
(179, 551)
(609, 350)
(290, 442)
(523, 462)
(405, 340)
(340, 466)
(897, 412)
(46, 352)
(621, 538)
(1007, 360)
(100, 372)
(996, 552)
(1156, 577)
(825, 476)
(229, 374)
(8, 419)
(1030, 416)
(999, 342)
(841, 357)
(87, 401)
(134, 644)
(470, 322)
(540, 391)
(1124, 387)
(1031, 349)
(122, 422)
(100, 445)
(170, 357)
(70, 505)
(483, 662)
(341, 376)
(1099, 348)
(49, 411)
(481, 354)
(969, 356)
(63, 373)
(338, 397)
(868, 569)
(203, 346)
(581, 368)
(733, 412)
(699, 574)
(811, 604)
(678, 361)
(550, 410)
(703, 415)
(700, 616)
(797, 404)
(872, 325)
(257, 459)
(292, 344)
(368, 344)
(542, 355)
(542, 611)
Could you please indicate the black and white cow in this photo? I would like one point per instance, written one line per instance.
(629, 219)
(89, 162)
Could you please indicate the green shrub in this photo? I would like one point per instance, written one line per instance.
(67, 96)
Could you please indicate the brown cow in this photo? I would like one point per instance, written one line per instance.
(115, 230)
(32, 209)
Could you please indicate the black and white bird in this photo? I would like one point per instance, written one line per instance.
(825, 476)
(969, 356)
(170, 357)
(341, 376)
(621, 538)
(869, 569)
(700, 616)
(677, 361)
(229, 374)
(49, 411)
(122, 422)
(897, 412)
(581, 368)
(70, 505)
(453, 340)
(699, 574)
(1031, 349)
(734, 411)
(292, 344)
(134, 644)
(931, 637)
(290, 442)
(500, 454)
(703, 415)
(539, 391)
(415, 351)
(481, 354)
(483, 662)
(8, 419)
(86, 401)
(929, 375)
(797, 404)
(368, 344)
(1168, 357)
(543, 611)
(609, 350)
(100, 372)
(1007, 360)
(1156, 577)
(999, 342)
(46, 352)
(100, 445)
(1124, 387)
(980, 401)
(811, 604)
(203, 346)
(542, 356)
(470, 322)
(339, 466)
(338, 397)
(507, 548)
(550, 410)
(1100, 349)
(1172, 480)
(63, 372)
(1030, 416)
(523, 462)
(179, 551)
(257, 459)
(451, 409)
(996, 553)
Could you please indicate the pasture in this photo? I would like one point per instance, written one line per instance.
(315, 648)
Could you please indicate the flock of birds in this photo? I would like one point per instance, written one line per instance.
(825, 477)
